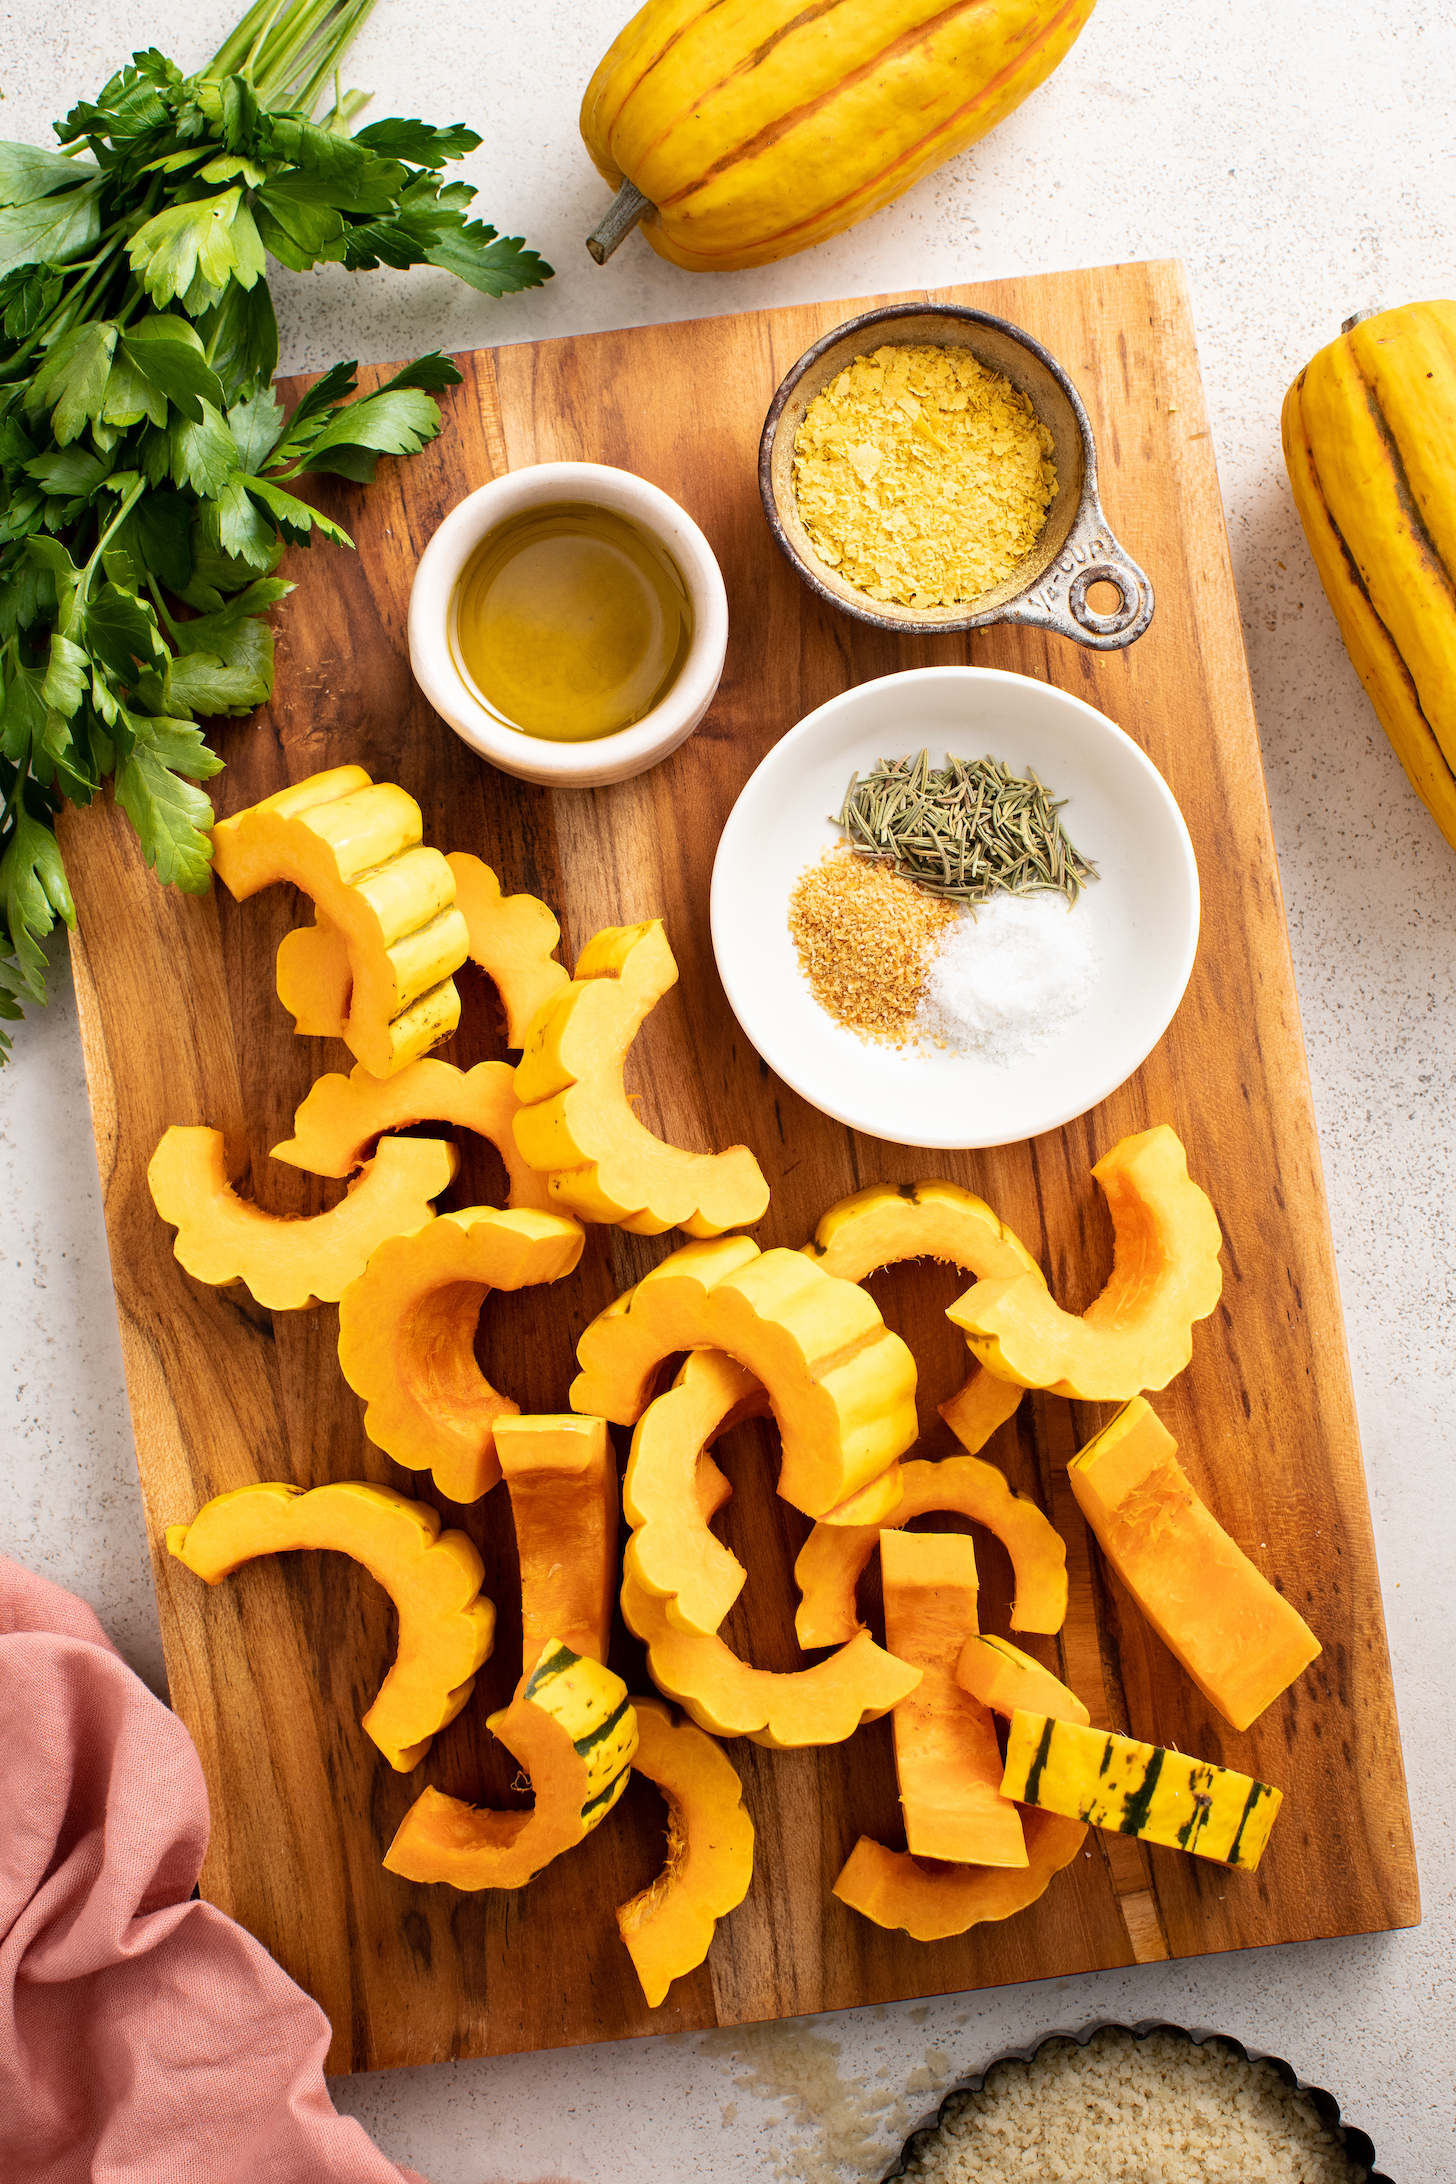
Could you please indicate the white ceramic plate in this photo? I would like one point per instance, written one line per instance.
(1143, 910)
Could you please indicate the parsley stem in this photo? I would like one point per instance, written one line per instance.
(129, 500)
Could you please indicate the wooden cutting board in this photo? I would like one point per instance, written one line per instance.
(272, 1669)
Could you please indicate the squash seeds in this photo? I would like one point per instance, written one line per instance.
(922, 477)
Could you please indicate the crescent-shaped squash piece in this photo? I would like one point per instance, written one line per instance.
(840, 1384)
(561, 1475)
(407, 1335)
(1216, 1612)
(513, 938)
(574, 1730)
(824, 1704)
(1139, 1333)
(1002, 1677)
(932, 1901)
(342, 1116)
(671, 1552)
(289, 1264)
(833, 1557)
(576, 1124)
(669, 1928)
(889, 1222)
(947, 1760)
(357, 847)
(446, 1626)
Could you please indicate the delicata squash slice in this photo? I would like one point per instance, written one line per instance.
(574, 1730)
(376, 969)
(288, 1264)
(669, 1928)
(513, 938)
(576, 1125)
(889, 1222)
(834, 1556)
(336, 1125)
(561, 1475)
(407, 1335)
(446, 1626)
(931, 1901)
(840, 1384)
(673, 1488)
(1139, 1333)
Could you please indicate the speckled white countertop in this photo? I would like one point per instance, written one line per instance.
(1300, 162)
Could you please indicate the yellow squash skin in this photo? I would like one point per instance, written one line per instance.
(840, 1383)
(446, 1626)
(1368, 431)
(672, 1553)
(336, 1125)
(760, 127)
(576, 1125)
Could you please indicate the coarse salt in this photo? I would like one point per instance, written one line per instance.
(1005, 980)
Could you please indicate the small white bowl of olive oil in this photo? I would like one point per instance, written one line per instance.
(569, 621)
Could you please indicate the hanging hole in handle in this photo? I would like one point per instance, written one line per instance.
(1086, 615)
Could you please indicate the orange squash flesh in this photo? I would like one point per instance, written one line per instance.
(1239, 1639)
(1139, 1333)
(574, 1731)
(671, 1552)
(946, 1755)
(930, 1902)
(561, 1475)
(513, 938)
(889, 1222)
(446, 1627)
(834, 1556)
(342, 1116)
(841, 1385)
(824, 1704)
(356, 847)
(1002, 1677)
(287, 1264)
(669, 1928)
(407, 1335)
(576, 1124)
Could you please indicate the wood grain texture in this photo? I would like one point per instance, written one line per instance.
(272, 1669)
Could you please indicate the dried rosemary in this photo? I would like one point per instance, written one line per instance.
(966, 831)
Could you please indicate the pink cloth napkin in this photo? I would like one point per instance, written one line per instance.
(144, 2039)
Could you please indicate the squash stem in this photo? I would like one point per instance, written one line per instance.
(626, 209)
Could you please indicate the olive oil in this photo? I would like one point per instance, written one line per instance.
(570, 623)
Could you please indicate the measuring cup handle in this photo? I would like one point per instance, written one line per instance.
(1091, 555)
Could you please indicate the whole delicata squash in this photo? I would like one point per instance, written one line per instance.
(840, 1384)
(669, 1927)
(446, 1626)
(1240, 1640)
(1139, 1333)
(574, 1730)
(385, 902)
(407, 1335)
(834, 1556)
(672, 1553)
(1368, 428)
(760, 129)
(576, 1124)
(289, 1264)
(513, 938)
(889, 1222)
(337, 1124)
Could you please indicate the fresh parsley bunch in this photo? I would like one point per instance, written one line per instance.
(145, 463)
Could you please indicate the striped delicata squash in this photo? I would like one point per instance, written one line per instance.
(750, 129)
(1369, 428)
